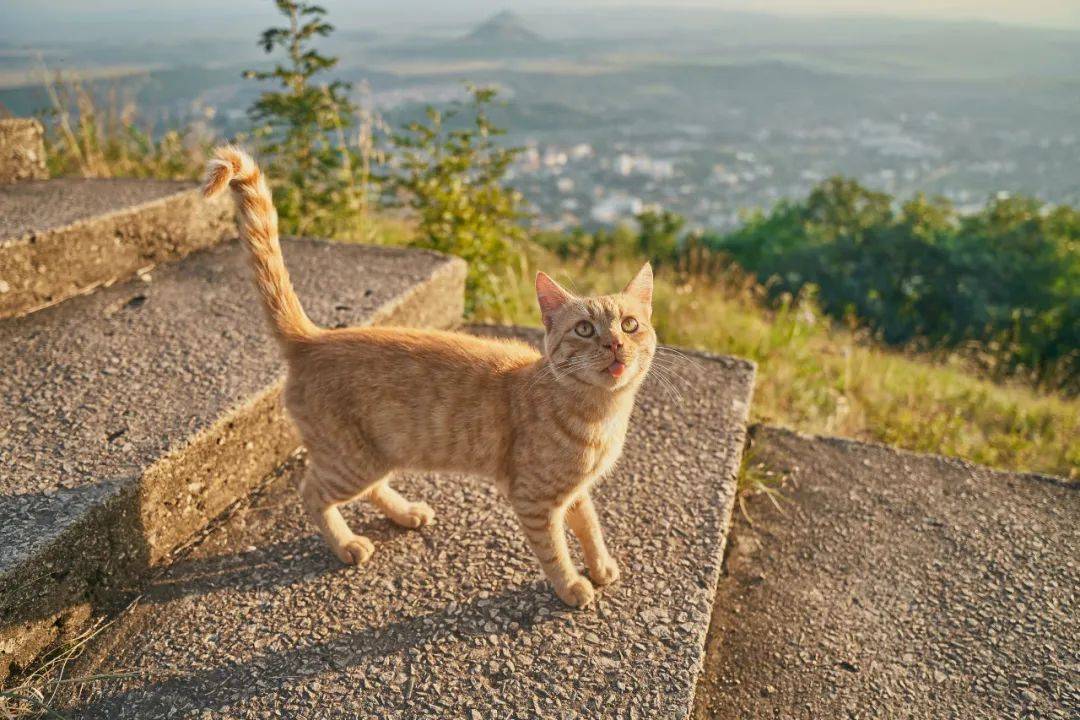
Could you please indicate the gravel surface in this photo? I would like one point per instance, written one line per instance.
(61, 238)
(454, 620)
(896, 585)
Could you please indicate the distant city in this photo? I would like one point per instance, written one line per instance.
(712, 181)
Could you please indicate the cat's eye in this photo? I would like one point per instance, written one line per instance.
(629, 325)
(584, 329)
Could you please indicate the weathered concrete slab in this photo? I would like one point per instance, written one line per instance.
(455, 620)
(22, 150)
(896, 585)
(131, 416)
(59, 238)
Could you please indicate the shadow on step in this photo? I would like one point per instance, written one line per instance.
(263, 567)
(227, 686)
(268, 566)
(74, 571)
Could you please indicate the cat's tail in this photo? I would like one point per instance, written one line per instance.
(234, 168)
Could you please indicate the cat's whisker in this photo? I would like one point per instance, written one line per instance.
(664, 376)
(673, 370)
(667, 361)
(678, 354)
(552, 368)
(547, 369)
(675, 383)
(674, 361)
(666, 385)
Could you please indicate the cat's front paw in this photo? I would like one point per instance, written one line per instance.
(604, 572)
(577, 593)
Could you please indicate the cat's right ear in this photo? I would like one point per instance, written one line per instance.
(551, 297)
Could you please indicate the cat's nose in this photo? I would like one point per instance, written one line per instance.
(614, 344)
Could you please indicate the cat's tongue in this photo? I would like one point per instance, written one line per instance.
(616, 368)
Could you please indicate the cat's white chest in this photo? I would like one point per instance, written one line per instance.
(605, 460)
(602, 458)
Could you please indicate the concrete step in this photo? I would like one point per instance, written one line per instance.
(894, 584)
(59, 238)
(22, 150)
(131, 416)
(455, 620)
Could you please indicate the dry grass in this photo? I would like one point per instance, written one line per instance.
(816, 378)
(756, 479)
(37, 692)
(91, 139)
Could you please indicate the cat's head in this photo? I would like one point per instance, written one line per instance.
(605, 341)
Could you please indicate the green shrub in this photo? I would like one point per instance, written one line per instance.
(1005, 281)
(452, 180)
(301, 129)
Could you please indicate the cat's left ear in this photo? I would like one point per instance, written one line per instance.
(640, 287)
(551, 297)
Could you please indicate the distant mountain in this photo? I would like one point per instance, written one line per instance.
(506, 27)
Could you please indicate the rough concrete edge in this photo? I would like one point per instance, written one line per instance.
(731, 475)
(24, 159)
(33, 236)
(952, 460)
(154, 494)
(448, 276)
(217, 215)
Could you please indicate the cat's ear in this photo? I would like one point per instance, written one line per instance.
(551, 297)
(640, 288)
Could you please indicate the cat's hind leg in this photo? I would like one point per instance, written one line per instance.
(326, 486)
(399, 509)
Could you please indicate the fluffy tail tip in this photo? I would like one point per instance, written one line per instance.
(229, 163)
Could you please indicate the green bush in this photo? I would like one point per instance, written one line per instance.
(1006, 280)
(659, 236)
(301, 128)
(452, 180)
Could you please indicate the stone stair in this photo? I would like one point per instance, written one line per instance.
(453, 621)
(135, 414)
(139, 402)
(140, 407)
(888, 583)
(60, 238)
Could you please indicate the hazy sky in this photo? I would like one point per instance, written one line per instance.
(30, 20)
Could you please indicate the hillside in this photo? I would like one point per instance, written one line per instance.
(505, 27)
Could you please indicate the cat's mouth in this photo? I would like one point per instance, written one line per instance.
(616, 368)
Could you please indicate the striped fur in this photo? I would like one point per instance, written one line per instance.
(234, 168)
(372, 401)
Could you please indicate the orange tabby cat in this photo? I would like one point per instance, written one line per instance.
(371, 401)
